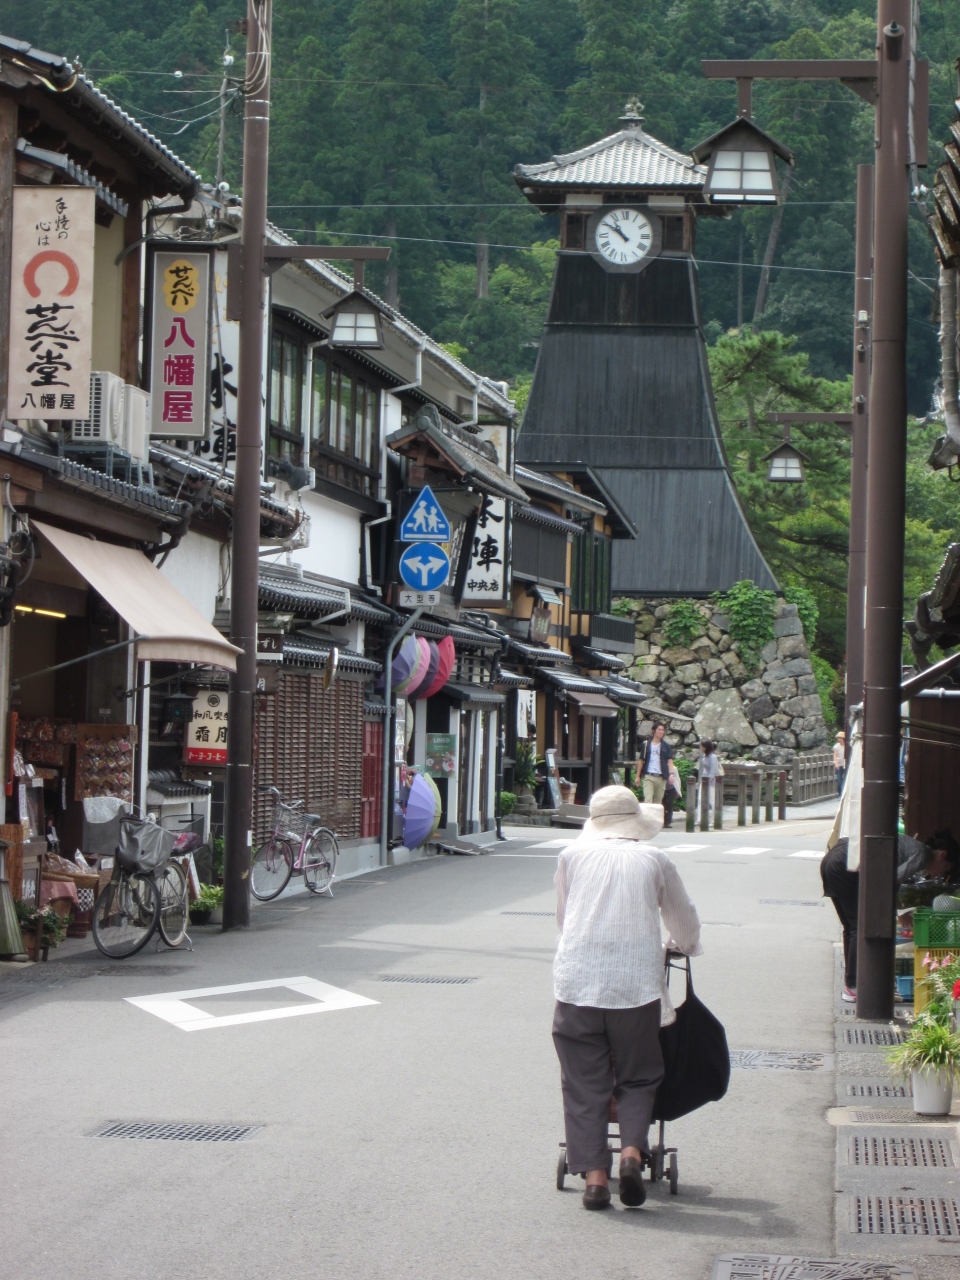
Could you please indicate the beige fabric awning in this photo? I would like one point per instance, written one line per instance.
(172, 628)
(594, 704)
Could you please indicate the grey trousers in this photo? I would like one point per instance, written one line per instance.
(606, 1053)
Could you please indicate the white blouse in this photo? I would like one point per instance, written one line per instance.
(611, 894)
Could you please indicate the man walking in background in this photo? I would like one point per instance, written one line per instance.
(653, 765)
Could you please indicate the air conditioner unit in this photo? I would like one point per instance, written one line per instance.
(105, 421)
(136, 423)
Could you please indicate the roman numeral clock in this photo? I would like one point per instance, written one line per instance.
(621, 400)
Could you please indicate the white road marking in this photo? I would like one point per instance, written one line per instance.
(807, 853)
(554, 856)
(683, 848)
(553, 844)
(172, 1007)
(747, 851)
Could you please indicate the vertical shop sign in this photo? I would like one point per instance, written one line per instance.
(487, 577)
(180, 342)
(51, 302)
(206, 733)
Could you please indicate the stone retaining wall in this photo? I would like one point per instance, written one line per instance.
(771, 714)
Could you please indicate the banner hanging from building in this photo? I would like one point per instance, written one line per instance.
(179, 346)
(51, 302)
(488, 576)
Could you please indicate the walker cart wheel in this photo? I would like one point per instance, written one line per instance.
(674, 1174)
(656, 1164)
(561, 1170)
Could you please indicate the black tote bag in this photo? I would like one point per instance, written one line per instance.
(696, 1061)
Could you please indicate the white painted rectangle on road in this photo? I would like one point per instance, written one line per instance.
(684, 848)
(171, 1006)
(807, 853)
(747, 851)
(554, 844)
(552, 856)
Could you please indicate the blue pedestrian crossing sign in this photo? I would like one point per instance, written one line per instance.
(424, 566)
(425, 521)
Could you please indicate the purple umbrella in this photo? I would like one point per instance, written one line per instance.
(406, 665)
(421, 813)
(429, 672)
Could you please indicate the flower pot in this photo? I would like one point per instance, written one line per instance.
(33, 944)
(216, 915)
(200, 915)
(567, 791)
(932, 1091)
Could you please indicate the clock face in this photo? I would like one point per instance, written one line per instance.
(624, 236)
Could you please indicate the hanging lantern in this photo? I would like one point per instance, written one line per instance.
(741, 164)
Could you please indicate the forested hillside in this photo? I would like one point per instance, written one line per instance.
(404, 118)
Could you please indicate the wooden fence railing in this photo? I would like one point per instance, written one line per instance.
(751, 787)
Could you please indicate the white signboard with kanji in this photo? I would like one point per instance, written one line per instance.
(206, 733)
(51, 302)
(179, 348)
(489, 561)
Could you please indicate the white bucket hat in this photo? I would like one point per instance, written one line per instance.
(617, 814)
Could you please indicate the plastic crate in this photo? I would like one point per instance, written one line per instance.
(922, 990)
(936, 928)
(905, 983)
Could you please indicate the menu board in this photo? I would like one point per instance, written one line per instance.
(105, 760)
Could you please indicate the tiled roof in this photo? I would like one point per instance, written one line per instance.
(629, 158)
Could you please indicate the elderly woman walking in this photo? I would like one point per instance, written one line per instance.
(612, 889)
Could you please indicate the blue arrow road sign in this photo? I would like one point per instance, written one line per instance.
(424, 566)
(425, 521)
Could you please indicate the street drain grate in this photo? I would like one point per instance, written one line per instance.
(877, 1091)
(791, 902)
(906, 1216)
(904, 1116)
(867, 1035)
(160, 1132)
(915, 1153)
(775, 1060)
(528, 913)
(419, 977)
(773, 1266)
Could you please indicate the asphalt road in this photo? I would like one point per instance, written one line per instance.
(414, 1138)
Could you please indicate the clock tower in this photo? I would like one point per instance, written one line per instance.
(621, 391)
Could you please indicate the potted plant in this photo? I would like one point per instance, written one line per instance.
(525, 769)
(930, 1057)
(208, 908)
(41, 928)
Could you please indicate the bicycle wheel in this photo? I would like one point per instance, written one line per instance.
(320, 861)
(125, 915)
(271, 868)
(173, 904)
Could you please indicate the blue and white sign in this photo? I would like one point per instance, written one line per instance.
(425, 521)
(424, 566)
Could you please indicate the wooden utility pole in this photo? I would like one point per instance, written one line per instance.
(245, 535)
(886, 506)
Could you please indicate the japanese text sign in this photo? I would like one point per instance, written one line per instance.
(179, 349)
(489, 559)
(206, 733)
(51, 302)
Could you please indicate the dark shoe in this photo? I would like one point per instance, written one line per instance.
(632, 1191)
(596, 1198)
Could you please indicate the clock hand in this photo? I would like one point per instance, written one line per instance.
(620, 232)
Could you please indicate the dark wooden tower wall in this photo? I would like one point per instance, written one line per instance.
(622, 385)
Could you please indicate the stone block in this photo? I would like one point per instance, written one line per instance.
(807, 684)
(661, 612)
(724, 643)
(689, 673)
(791, 626)
(725, 682)
(807, 705)
(785, 610)
(645, 728)
(792, 647)
(721, 622)
(688, 708)
(715, 634)
(641, 648)
(797, 667)
(752, 689)
(762, 732)
(704, 644)
(703, 687)
(673, 692)
(784, 738)
(714, 664)
(645, 623)
(678, 655)
(772, 671)
(759, 708)
(721, 718)
(782, 688)
(730, 658)
(780, 721)
(769, 651)
(814, 738)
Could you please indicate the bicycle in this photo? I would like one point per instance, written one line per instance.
(276, 860)
(146, 893)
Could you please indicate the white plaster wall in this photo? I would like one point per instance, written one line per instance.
(334, 548)
(194, 569)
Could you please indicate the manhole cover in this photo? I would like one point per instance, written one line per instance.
(775, 1060)
(905, 1116)
(773, 1266)
(528, 913)
(877, 1091)
(790, 902)
(420, 977)
(906, 1216)
(868, 1035)
(914, 1153)
(157, 1131)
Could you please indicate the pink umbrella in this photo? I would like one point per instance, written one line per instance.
(422, 670)
(448, 656)
(429, 673)
(406, 665)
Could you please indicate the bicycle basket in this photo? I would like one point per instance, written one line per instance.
(144, 846)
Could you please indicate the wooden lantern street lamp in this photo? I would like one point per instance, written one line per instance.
(742, 166)
(786, 463)
(356, 323)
